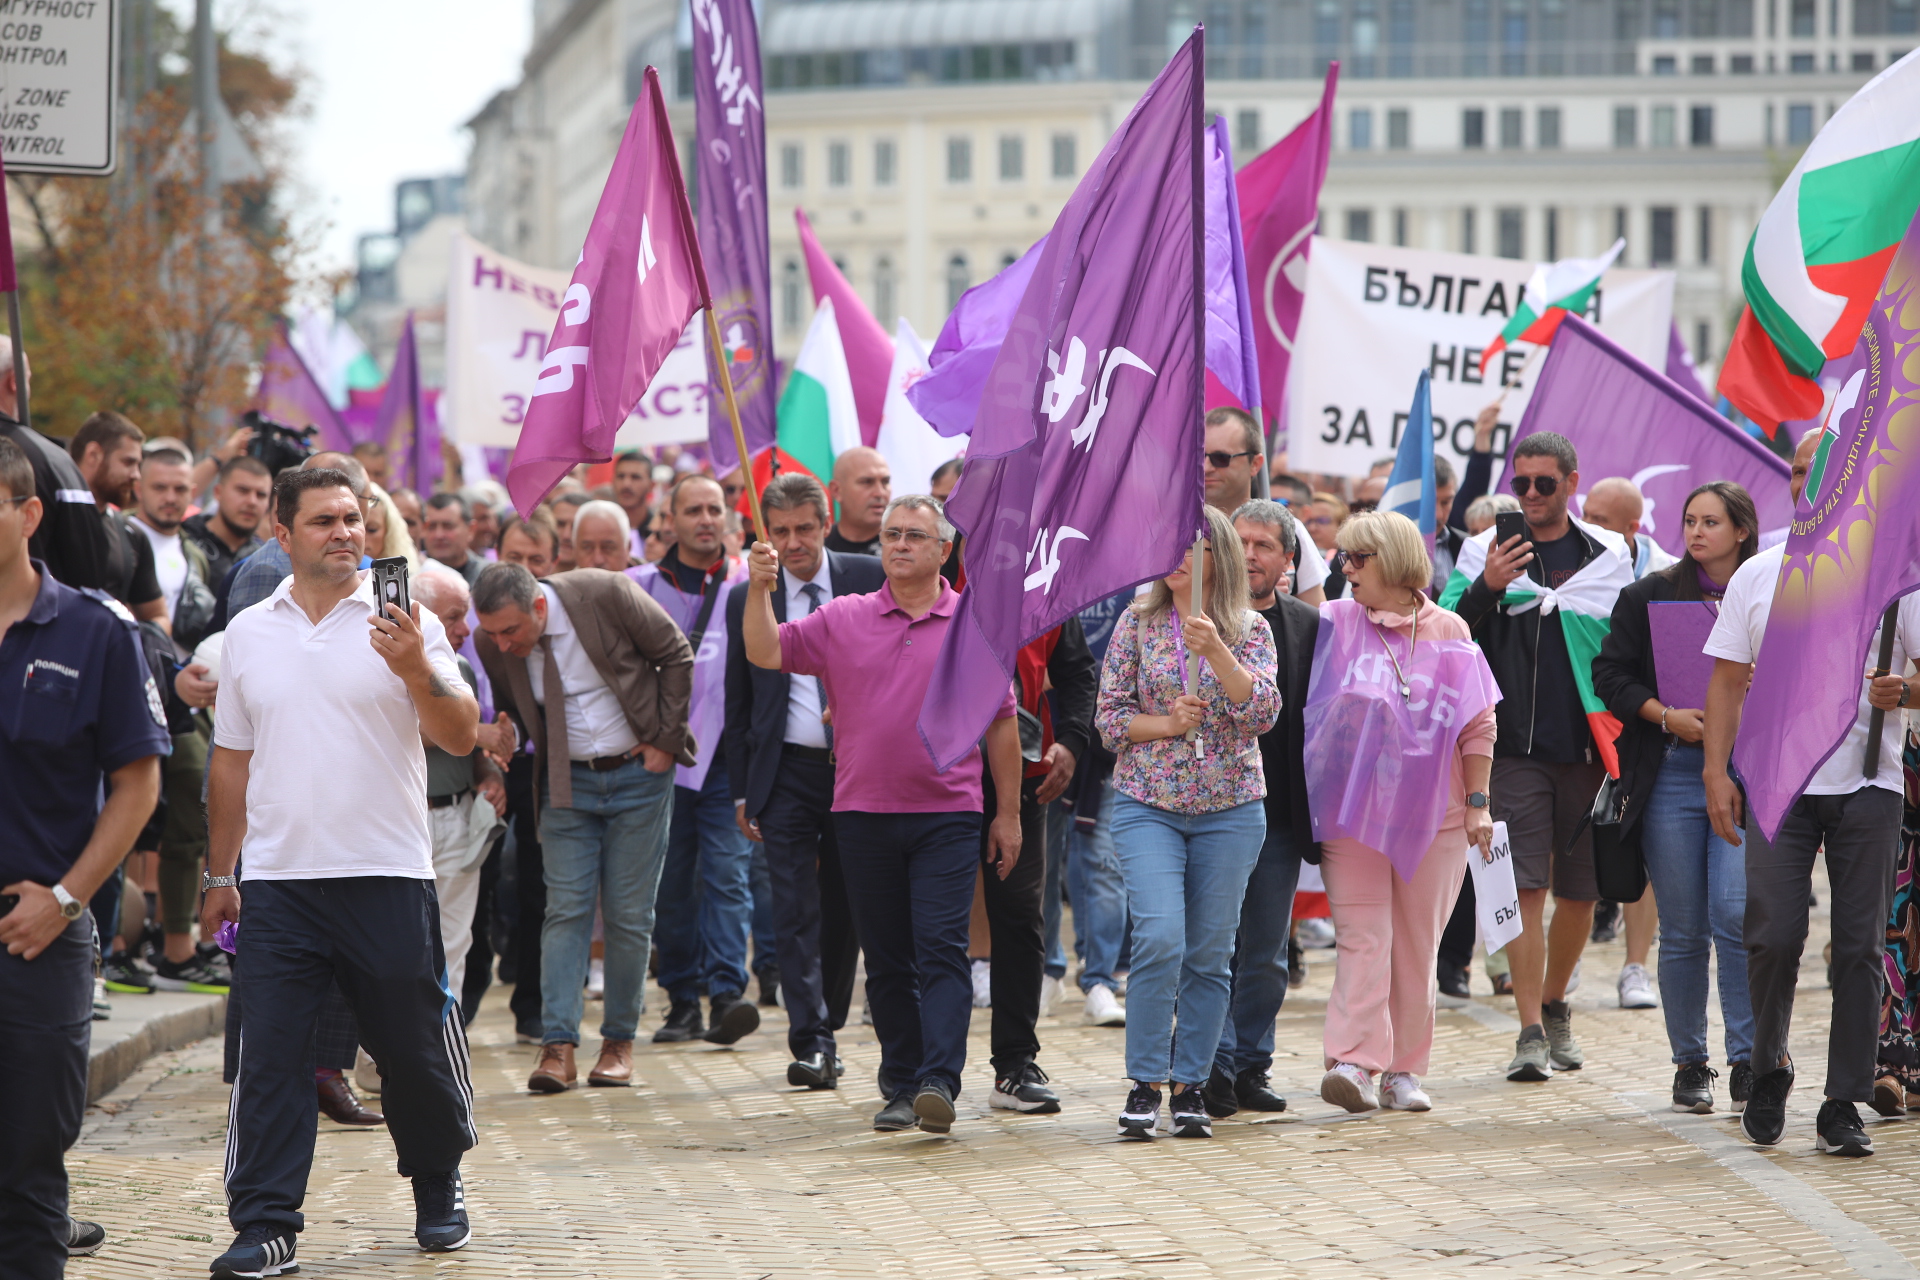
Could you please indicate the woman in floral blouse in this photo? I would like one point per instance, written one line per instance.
(1188, 820)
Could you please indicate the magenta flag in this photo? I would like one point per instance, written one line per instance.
(406, 426)
(730, 133)
(1380, 762)
(1083, 476)
(869, 349)
(290, 393)
(1626, 418)
(1854, 550)
(1279, 207)
(638, 282)
(1233, 356)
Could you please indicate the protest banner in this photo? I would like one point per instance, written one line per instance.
(1376, 315)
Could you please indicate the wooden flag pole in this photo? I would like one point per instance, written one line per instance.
(25, 418)
(1877, 722)
(1199, 577)
(733, 415)
(1526, 365)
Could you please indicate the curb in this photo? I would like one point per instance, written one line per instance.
(110, 1065)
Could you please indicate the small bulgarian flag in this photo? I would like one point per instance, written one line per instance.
(1553, 291)
(1584, 605)
(817, 419)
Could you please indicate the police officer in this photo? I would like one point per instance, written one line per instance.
(77, 706)
(73, 542)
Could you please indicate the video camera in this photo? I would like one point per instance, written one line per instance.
(276, 444)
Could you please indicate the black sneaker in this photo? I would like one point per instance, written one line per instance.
(1606, 922)
(1693, 1088)
(1765, 1116)
(683, 1023)
(191, 974)
(261, 1249)
(84, 1238)
(1252, 1091)
(1141, 1116)
(1218, 1095)
(1296, 965)
(897, 1115)
(1025, 1089)
(1188, 1114)
(440, 1212)
(734, 1016)
(1455, 987)
(934, 1105)
(816, 1071)
(1841, 1133)
(1739, 1086)
(770, 989)
(123, 974)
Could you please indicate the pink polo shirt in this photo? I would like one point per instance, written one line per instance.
(876, 663)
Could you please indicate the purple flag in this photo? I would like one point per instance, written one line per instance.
(730, 130)
(1231, 353)
(406, 427)
(1084, 473)
(1854, 550)
(1680, 365)
(1627, 419)
(290, 393)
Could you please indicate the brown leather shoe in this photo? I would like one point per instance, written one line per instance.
(338, 1104)
(615, 1068)
(556, 1073)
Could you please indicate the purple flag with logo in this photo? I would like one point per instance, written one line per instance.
(1084, 473)
(1854, 550)
(730, 131)
(406, 426)
(1626, 418)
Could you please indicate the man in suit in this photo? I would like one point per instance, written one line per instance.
(1260, 956)
(600, 678)
(780, 769)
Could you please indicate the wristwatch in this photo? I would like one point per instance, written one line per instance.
(211, 881)
(1476, 800)
(70, 906)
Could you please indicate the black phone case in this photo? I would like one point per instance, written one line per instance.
(390, 584)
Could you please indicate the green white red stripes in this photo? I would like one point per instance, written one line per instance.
(1553, 291)
(817, 416)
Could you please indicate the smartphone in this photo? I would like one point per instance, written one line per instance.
(390, 585)
(1506, 525)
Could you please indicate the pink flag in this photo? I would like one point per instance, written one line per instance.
(1279, 207)
(639, 280)
(869, 349)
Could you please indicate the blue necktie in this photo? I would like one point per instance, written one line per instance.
(812, 592)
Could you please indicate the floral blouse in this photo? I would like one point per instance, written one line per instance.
(1143, 676)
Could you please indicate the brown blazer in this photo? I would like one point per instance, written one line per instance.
(634, 646)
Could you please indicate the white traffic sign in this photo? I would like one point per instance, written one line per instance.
(59, 86)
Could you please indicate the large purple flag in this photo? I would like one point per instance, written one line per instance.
(1626, 418)
(1084, 473)
(1854, 550)
(1680, 366)
(730, 131)
(1232, 356)
(290, 393)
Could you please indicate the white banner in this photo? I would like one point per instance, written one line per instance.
(1376, 315)
(500, 314)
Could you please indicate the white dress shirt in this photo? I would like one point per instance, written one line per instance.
(803, 692)
(596, 726)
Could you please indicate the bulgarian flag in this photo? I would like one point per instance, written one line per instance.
(1585, 608)
(1821, 251)
(816, 418)
(1553, 291)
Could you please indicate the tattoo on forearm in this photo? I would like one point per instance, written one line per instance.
(437, 687)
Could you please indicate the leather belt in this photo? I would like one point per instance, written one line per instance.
(819, 755)
(607, 764)
(447, 802)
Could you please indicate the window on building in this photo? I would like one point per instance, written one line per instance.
(839, 164)
(1626, 126)
(1702, 64)
(790, 294)
(1360, 128)
(1510, 227)
(1702, 342)
(1246, 132)
(958, 281)
(1400, 227)
(1360, 225)
(1862, 61)
(1703, 238)
(1661, 130)
(959, 159)
(1801, 64)
(1799, 123)
(1546, 129)
(1473, 128)
(1661, 235)
(793, 169)
(1013, 158)
(886, 300)
(1700, 126)
(1740, 64)
(1064, 164)
(1512, 128)
(1466, 230)
(1399, 129)
(883, 163)
(1803, 18)
(1620, 228)
(1553, 234)
(1666, 65)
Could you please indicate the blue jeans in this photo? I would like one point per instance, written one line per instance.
(1186, 875)
(1260, 957)
(1059, 820)
(609, 848)
(1099, 899)
(706, 895)
(1700, 883)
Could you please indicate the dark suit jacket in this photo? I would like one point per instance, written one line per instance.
(757, 698)
(1296, 625)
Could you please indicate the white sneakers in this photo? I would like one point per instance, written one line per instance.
(596, 979)
(1049, 994)
(1315, 934)
(983, 984)
(1350, 1087)
(1636, 989)
(1401, 1091)
(1102, 1009)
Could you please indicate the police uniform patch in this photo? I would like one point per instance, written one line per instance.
(155, 707)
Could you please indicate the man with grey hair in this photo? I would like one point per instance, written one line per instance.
(780, 769)
(602, 537)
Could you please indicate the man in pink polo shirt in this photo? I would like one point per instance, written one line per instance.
(909, 837)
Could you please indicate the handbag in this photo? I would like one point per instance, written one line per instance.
(1619, 868)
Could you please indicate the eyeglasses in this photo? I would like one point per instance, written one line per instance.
(1358, 559)
(1545, 486)
(13, 502)
(1220, 459)
(916, 537)
(1316, 522)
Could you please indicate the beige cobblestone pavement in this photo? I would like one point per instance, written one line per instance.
(714, 1168)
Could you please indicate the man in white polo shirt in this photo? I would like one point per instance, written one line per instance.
(318, 767)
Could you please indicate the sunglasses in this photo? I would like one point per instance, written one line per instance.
(1545, 486)
(1358, 559)
(1221, 459)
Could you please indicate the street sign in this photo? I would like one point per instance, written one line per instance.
(59, 84)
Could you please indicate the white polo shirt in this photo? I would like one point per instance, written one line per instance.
(596, 724)
(338, 781)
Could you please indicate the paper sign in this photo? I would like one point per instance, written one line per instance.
(1681, 666)
(1495, 899)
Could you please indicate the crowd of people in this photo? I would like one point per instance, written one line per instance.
(622, 736)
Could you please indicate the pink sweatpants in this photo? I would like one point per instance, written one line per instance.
(1380, 1016)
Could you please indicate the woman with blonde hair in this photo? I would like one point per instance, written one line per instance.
(1188, 819)
(1399, 734)
(387, 534)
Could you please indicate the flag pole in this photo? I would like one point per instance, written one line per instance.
(1877, 722)
(733, 416)
(1262, 487)
(1199, 577)
(20, 355)
(1525, 365)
